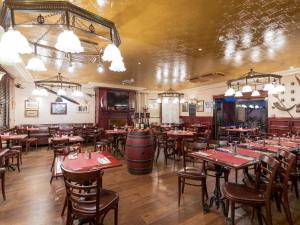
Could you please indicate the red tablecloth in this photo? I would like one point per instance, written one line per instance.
(81, 164)
(6, 137)
(246, 152)
(224, 158)
(180, 133)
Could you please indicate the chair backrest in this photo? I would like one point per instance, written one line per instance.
(287, 162)
(223, 143)
(61, 142)
(53, 131)
(199, 146)
(83, 188)
(266, 172)
(78, 131)
(75, 148)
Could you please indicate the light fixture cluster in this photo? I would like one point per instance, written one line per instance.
(251, 106)
(251, 82)
(42, 92)
(13, 43)
(170, 96)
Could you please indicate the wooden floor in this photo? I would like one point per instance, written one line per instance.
(149, 199)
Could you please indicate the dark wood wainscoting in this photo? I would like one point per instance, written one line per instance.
(283, 125)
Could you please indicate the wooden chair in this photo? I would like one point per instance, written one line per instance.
(86, 199)
(59, 147)
(28, 141)
(295, 174)
(170, 149)
(161, 139)
(254, 197)
(53, 131)
(78, 131)
(13, 157)
(191, 173)
(91, 134)
(2, 177)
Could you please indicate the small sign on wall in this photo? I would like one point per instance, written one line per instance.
(31, 108)
(192, 109)
(83, 108)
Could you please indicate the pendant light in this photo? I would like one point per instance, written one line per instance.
(16, 42)
(229, 92)
(111, 53)
(36, 64)
(68, 42)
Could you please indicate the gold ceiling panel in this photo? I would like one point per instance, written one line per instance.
(166, 42)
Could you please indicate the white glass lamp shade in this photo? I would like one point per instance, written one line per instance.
(256, 107)
(247, 89)
(111, 53)
(229, 92)
(61, 92)
(36, 64)
(35, 92)
(238, 94)
(280, 88)
(165, 100)
(7, 56)
(268, 87)
(43, 92)
(68, 42)
(255, 93)
(272, 92)
(182, 100)
(77, 93)
(16, 42)
(158, 100)
(117, 65)
(175, 100)
(251, 106)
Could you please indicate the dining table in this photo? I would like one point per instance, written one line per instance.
(12, 137)
(98, 160)
(268, 146)
(179, 136)
(72, 139)
(224, 159)
(115, 133)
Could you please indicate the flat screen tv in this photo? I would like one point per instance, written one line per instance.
(117, 99)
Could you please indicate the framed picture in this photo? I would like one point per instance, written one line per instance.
(31, 113)
(58, 108)
(31, 105)
(200, 106)
(192, 109)
(184, 107)
(83, 108)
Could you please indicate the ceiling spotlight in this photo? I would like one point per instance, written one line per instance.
(199, 49)
(139, 63)
(100, 68)
(71, 67)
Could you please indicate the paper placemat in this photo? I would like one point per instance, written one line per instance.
(103, 160)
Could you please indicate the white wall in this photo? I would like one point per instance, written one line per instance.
(45, 116)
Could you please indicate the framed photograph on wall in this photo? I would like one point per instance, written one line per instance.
(31, 105)
(58, 108)
(31, 113)
(200, 106)
(83, 108)
(184, 107)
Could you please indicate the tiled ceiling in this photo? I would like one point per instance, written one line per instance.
(167, 42)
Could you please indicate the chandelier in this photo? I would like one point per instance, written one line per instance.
(253, 82)
(58, 85)
(170, 95)
(98, 40)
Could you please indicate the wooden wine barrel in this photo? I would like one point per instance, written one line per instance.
(139, 152)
